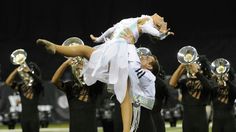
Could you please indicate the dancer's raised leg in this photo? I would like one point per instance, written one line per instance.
(70, 51)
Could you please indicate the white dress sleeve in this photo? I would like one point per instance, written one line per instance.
(103, 37)
(149, 29)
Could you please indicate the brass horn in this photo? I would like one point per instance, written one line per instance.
(75, 60)
(220, 66)
(18, 57)
(143, 51)
(187, 55)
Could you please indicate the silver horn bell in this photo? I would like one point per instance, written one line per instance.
(143, 51)
(18, 57)
(220, 66)
(187, 55)
(72, 41)
(76, 61)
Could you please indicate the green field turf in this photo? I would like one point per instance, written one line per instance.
(63, 127)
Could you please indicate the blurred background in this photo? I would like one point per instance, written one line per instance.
(209, 26)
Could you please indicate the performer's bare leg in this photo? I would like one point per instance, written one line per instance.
(70, 51)
(86, 51)
(126, 111)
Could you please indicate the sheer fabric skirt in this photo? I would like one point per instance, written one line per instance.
(111, 63)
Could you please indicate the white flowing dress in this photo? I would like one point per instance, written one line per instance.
(111, 62)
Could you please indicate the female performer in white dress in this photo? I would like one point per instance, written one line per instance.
(110, 62)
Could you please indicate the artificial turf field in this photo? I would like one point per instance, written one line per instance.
(63, 127)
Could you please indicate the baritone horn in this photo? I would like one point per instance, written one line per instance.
(77, 62)
(18, 57)
(187, 55)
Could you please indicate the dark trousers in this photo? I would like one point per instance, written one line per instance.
(195, 119)
(83, 118)
(146, 123)
(117, 119)
(158, 121)
(107, 125)
(223, 121)
(30, 125)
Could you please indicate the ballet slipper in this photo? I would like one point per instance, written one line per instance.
(51, 47)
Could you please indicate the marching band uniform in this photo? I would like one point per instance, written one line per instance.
(29, 98)
(223, 97)
(195, 95)
(81, 99)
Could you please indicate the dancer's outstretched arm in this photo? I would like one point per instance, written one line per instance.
(149, 29)
(70, 51)
(103, 37)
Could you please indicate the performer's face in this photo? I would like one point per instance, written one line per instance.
(146, 61)
(156, 18)
(159, 22)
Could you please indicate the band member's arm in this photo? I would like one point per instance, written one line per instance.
(59, 72)
(206, 83)
(232, 87)
(11, 77)
(160, 82)
(162, 89)
(103, 36)
(35, 77)
(176, 76)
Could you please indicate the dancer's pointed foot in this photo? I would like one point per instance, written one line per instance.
(51, 47)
